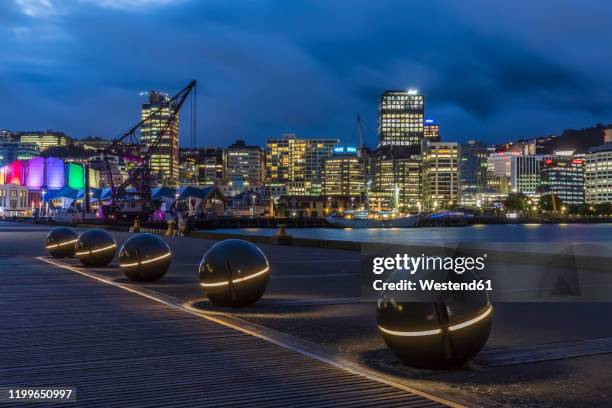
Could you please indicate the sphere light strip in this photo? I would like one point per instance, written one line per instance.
(61, 244)
(438, 331)
(410, 334)
(254, 275)
(472, 321)
(97, 250)
(146, 261)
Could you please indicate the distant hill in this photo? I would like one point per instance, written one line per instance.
(581, 139)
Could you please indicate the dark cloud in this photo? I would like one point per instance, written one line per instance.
(508, 70)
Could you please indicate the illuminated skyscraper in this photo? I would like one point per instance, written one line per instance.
(397, 185)
(165, 157)
(400, 122)
(298, 163)
(343, 173)
(440, 175)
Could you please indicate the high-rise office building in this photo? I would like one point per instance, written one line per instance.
(431, 131)
(440, 175)
(598, 174)
(472, 170)
(244, 164)
(563, 177)
(397, 185)
(343, 173)
(45, 139)
(298, 163)
(400, 122)
(165, 157)
(525, 174)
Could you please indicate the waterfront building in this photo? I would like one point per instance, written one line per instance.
(12, 151)
(343, 173)
(563, 177)
(397, 185)
(525, 174)
(244, 164)
(165, 157)
(598, 174)
(431, 131)
(400, 122)
(45, 139)
(298, 163)
(473, 165)
(440, 175)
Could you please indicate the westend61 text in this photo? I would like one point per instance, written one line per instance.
(429, 284)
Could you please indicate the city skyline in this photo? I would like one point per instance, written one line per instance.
(481, 80)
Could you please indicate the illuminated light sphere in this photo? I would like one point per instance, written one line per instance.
(145, 258)
(434, 330)
(96, 247)
(61, 242)
(234, 273)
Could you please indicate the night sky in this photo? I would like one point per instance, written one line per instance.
(490, 70)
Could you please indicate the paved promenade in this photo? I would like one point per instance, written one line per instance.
(59, 328)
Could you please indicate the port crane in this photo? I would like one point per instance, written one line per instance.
(137, 186)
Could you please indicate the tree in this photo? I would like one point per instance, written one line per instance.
(546, 203)
(516, 202)
(604, 208)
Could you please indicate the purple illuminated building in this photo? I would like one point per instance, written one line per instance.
(55, 173)
(35, 173)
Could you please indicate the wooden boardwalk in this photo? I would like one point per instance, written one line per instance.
(58, 328)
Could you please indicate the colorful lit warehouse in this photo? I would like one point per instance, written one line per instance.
(43, 173)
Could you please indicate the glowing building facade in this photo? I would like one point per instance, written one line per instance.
(298, 163)
(343, 173)
(400, 122)
(244, 163)
(598, 174)
(165, 158)
(563, 177)
(440, 175)
(45, 139)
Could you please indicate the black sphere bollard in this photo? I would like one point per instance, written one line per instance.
(435, 330)
(61, 242)
(96, 247)
(145, 258)
(234, 273)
